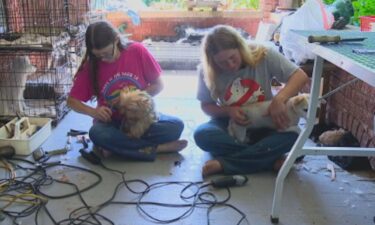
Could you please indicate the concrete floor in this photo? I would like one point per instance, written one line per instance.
(310, 196)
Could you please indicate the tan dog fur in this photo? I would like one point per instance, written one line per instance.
(138, 110)
(296, 106)
(332, 137)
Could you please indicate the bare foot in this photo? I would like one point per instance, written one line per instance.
(211, 167)
(173, 146)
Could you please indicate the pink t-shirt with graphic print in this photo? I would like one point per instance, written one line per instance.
(135, 68)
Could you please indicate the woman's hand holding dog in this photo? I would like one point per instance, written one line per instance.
(278, 112)
(238, 115)
(103, 113)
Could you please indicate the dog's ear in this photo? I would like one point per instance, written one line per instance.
(297, 99)
(300, 99)
(300, 103)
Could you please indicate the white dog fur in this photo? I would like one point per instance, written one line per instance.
(297, 107)
(12, 85)
(138, 110)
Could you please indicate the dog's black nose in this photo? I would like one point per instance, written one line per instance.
(305, 110)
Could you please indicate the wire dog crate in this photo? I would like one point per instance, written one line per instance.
(41, 47)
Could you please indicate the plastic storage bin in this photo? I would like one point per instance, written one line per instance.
(25, 134)
(367, 23)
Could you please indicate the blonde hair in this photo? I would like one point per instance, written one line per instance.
(223, 37)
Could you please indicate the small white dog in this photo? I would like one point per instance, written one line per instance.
(138, 110)
(13, 80)
(297, 107)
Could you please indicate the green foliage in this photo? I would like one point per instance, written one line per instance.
(147, 2)
(363, 8)
(246, 4)
(328, 2)
(342, 10)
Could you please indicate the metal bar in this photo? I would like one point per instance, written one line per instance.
(339, 151)
(338, 88)
(26, 48)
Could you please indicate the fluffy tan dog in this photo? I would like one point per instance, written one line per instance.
(138, 110)
(297, 107)
(332, 137)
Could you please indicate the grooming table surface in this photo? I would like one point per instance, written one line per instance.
(342, 55)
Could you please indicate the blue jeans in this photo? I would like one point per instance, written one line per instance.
(111, 138)
(239, 158)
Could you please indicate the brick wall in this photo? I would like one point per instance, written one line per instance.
(353, 107)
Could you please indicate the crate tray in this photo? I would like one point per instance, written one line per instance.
(21, 141)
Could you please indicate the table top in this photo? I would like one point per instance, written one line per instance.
(361, 65)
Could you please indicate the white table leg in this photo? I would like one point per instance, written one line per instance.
(297, 149)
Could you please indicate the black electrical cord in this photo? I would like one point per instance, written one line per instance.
(127, 182)
(38, 178)
(188, 212)
(78, 191)
(199, 199)
(41, 169)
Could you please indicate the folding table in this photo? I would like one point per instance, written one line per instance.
(360, 65)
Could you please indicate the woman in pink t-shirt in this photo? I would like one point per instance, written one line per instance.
(112, 63)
